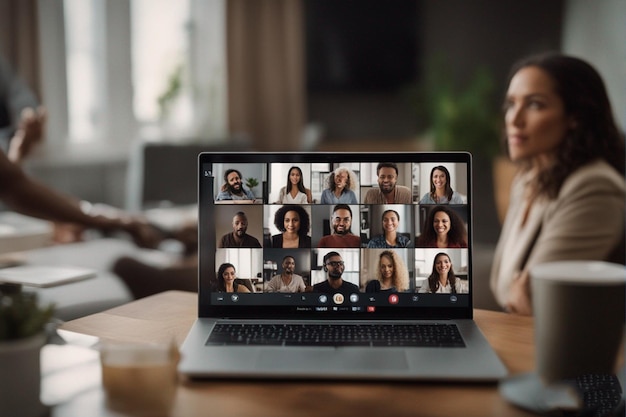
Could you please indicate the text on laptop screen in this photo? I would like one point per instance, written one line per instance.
(341, 234)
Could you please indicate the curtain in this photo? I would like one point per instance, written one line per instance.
(19, 40)
(266, 79)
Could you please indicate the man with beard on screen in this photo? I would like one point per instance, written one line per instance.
(233, 188)
(342, 236)
(239, 238)
(334, 267)
(287, 281)
(388, 192)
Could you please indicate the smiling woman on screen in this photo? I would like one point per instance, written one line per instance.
(567, 202)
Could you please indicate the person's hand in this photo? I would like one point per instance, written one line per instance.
(143, 234)
(188, 236)
(518, 301)
(28, 135)
(67, 232)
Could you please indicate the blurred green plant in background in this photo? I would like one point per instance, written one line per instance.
(457, 116)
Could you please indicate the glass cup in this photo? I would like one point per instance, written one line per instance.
(140, 379)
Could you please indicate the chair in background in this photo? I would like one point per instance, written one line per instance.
(165, 174)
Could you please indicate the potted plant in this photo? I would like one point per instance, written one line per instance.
(251, 183)
(22, 334)
(465, 117)
(458, 116)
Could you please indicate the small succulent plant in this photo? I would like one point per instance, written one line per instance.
(21, 316)
(252, 182)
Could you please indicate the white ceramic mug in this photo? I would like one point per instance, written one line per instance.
(579, 317)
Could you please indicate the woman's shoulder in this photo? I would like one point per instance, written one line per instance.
(457, 198)
(597, 169)
(277, 240)
(350, 197)
(376, 241)
(596, 176)
(403, 240)
(373, 286)
(305, 242)
(426, 199)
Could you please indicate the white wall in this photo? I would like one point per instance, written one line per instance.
(596, 31)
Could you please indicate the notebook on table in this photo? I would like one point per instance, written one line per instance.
(324, 305)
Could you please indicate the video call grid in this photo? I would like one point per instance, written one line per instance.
(262, 209)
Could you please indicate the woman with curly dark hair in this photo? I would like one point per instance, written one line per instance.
(443, 229)
(294, 223)
(567, 201)
(442, 279)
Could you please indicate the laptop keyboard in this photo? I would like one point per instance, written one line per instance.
(372, 335)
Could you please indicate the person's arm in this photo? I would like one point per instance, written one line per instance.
(370, 197)
(281, 196)
(425, 287)
(309, 196)
(301, 284)
(271, 284)
(324, 198)
(27, 196)
(223, 195)
(250, 194)
(352, 196)
(373, 286)
(29, 133)
(456, 198)
(585, 222)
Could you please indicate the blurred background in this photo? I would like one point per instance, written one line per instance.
(120, 76)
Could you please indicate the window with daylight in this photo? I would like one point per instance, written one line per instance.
(131, 69)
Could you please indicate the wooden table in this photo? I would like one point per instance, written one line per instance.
(170, 315)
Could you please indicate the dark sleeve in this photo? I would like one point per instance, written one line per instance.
(304, 243)
(373, 286)
(277, 241)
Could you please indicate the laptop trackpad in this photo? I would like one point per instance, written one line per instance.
(329, 359)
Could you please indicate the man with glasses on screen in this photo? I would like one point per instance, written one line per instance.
(334, 284)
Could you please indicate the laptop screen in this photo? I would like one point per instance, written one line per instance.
(352, 235)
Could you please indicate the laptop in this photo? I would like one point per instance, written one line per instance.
(329, 278)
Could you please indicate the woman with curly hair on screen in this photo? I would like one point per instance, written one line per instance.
(341, 185)
(391, 275)
(294, 223)
(443, 229)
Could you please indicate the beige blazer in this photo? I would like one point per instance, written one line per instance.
(585, 221)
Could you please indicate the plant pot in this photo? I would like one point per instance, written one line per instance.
(20, 377)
